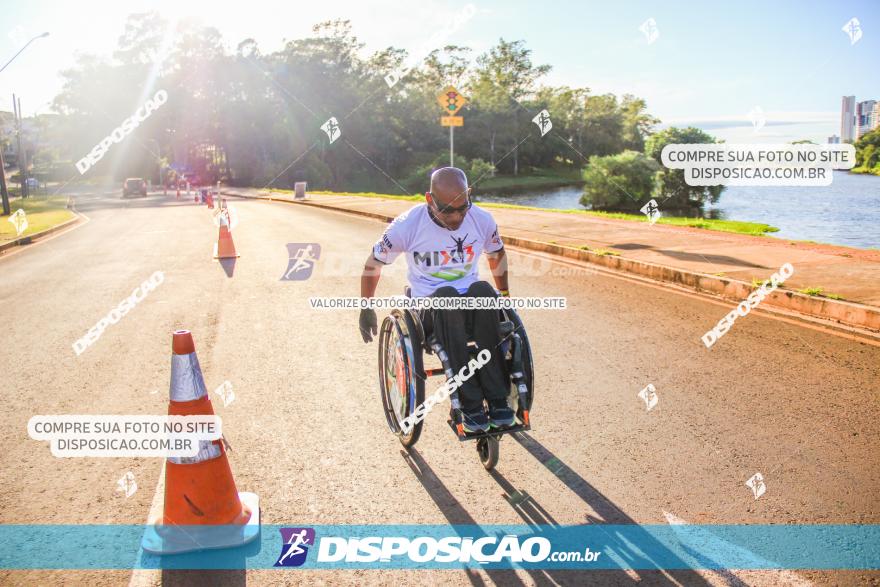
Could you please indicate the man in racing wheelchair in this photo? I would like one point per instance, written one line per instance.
(443, 239)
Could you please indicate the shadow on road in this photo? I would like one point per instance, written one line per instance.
(608, 513)
(196, 577)
(685, 256)
(534, 514)
(228, 266)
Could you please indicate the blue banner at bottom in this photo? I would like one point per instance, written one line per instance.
(593, 546)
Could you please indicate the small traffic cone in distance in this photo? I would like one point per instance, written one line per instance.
(225, 248)
(202, 509)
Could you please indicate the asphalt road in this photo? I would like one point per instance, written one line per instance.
(308, 434)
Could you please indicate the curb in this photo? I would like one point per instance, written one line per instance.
(848, 313)
(26, 240)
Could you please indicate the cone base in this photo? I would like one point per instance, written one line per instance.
(236, 255)
(159, 539)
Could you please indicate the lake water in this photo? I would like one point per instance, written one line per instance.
(845, 213)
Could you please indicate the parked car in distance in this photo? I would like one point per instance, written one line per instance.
(134, 185)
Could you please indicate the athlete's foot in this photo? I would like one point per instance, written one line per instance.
(474, 420)
(500, 414)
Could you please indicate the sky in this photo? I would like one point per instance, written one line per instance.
(723, 66)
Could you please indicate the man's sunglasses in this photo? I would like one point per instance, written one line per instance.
(447, 210)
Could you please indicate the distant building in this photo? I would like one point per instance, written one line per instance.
(847, 119)
(833, 140)
(866, 117)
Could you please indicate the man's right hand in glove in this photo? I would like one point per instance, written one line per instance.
(368, 324)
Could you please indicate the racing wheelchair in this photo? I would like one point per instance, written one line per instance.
(402, 377)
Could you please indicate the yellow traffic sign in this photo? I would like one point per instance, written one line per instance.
(452, 121)
(451, 101)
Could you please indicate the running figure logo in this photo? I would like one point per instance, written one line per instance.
(853, 30)
(649, 396)
(651, 210)
(294, 549)
(331, 127)
(543, 121)
(126, 484)
(756, 484)
(302, 259)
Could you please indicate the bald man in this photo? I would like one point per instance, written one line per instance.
(443, 239)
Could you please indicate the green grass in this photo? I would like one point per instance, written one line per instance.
(42, 213)
(818, 291)
(539, 179)
(873, 171)
(735, 226)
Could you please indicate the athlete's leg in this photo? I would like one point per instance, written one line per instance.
(482, 325)
(449, 329)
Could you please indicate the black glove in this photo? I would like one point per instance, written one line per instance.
(368, 324)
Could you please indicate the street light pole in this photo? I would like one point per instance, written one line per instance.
(4, 192)
(22, 49)
(22, 156)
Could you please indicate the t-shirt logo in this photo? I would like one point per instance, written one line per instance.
(383, 246)
(459, 253)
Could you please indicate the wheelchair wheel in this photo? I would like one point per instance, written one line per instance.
(528, 364)
(401, 379)
(487, 448)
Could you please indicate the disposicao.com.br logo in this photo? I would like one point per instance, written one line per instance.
(509, 548)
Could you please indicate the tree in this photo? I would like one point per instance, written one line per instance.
(636, 123)
(255, 116)
(619, 182)
(671, 185)
(868, 152)
(504, 76)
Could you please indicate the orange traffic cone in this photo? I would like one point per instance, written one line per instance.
(225, 248)
(203, 509)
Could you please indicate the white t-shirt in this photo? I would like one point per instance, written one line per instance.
(437, 256)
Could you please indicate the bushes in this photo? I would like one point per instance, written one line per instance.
(419, 180)
(619, 182)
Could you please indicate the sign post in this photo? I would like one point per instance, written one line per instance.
(451, 101)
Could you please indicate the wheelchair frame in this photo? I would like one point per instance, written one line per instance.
(401, 346)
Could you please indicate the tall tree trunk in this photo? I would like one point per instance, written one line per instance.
(516, 147)
(492, 150)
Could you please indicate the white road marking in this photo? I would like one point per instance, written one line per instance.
(150, 577)
(722, 577)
